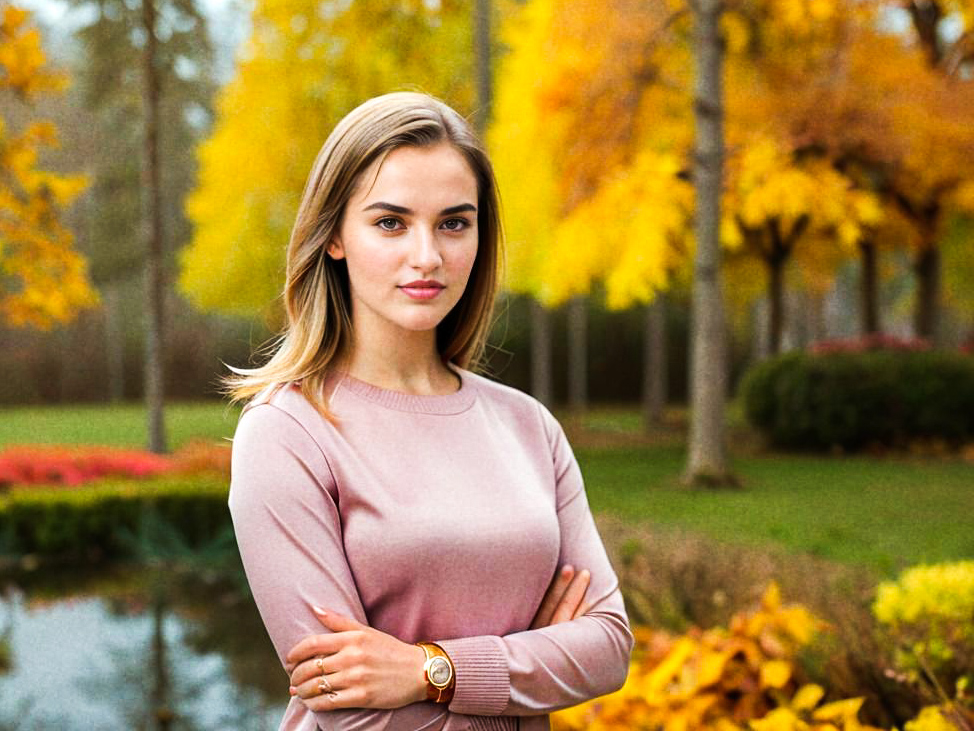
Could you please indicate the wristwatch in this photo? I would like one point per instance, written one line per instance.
(438, 673)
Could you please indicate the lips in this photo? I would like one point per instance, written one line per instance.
(422, 290)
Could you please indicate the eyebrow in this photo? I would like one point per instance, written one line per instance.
(407, 212)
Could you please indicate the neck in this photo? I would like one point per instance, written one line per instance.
(409, 364)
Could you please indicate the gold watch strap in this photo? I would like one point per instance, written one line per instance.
(439, 695)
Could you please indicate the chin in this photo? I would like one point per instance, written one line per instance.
(421, 323)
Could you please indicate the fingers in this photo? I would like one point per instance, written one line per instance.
(553, 596)
(320, 644)
(314, 668)
(315, 684)
(313, 645)
(340, 689)
(336, 622)
(571, 601)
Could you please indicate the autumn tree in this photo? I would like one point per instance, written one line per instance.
(566, 119)
(949, 188)
(43, 280)
(902, 130)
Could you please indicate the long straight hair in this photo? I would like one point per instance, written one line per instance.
(317, 298)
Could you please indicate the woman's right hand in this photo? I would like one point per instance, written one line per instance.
(563, 600)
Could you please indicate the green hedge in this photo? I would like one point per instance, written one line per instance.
(854, 400)
(114, 518)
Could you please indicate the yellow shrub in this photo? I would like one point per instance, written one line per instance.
(929, 611)
(721, 679)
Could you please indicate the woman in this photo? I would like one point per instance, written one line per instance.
(400, 518)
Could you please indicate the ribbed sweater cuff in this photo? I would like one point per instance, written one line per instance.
(483, 683)
(494, 723)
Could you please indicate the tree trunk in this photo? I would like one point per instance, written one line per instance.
(869, 288)
(707, 454)
(114, 342)
(481, 43)
(816, 316)
(578, 353)
(152, 230)
(162, 713)
(776, 303)
(541, 353)
(654, 363)
(926, 267)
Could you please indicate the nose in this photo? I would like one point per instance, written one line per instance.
(424, 252)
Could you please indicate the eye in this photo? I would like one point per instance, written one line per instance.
(388, 223)
(456, 224)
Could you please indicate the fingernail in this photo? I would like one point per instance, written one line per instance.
(567, 568)
(292, 690)
(319, 610)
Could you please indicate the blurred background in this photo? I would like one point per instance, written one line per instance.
(152, 157)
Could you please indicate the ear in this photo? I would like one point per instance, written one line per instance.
(335, 249)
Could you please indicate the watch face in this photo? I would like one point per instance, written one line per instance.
(440, 672)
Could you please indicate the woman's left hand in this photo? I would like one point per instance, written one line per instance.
(355, 666)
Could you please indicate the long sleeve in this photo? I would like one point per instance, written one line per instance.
(559, 666)
(289, 534)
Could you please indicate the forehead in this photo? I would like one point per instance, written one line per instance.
(412, 172)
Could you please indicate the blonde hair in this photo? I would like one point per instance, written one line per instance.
(316, 295)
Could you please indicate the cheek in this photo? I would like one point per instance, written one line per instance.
(464, 260)
(367, 264)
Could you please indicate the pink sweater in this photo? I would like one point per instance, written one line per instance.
(440, 518)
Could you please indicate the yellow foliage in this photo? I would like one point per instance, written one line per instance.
(933, 718)
(593, 97)
(719, 678)
(22, 62)
(734, 679)
(45, 280)
(928, 611)
(587, 164)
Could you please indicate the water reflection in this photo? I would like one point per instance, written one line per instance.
(135, 648)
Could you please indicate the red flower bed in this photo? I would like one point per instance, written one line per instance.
(36, 465)
(875, 341)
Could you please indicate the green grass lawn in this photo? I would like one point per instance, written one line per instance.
(122, 425)
(885, 513)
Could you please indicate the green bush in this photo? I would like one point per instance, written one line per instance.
(857, 399)
(101, 519)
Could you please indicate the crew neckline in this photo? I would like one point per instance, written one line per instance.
(446, 403)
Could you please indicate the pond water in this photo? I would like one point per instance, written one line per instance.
(134, 648)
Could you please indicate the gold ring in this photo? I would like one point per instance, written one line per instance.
(324, 686)
(320, 662)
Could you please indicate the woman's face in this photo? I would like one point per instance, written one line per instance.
(409, 239)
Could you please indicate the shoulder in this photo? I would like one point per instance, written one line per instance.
(274, 438)
(284, 401)
(279, 414)
(521, 406)
(500, 393)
